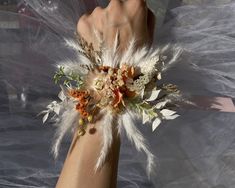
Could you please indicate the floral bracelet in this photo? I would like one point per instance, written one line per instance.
(116, 86)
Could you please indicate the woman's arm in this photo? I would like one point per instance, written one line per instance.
(131, 18)
(78, 170)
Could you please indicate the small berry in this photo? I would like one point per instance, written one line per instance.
(81, 122)
(90, 118)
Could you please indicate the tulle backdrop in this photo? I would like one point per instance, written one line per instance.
(195, 150)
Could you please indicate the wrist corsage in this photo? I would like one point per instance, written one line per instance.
(113, 88)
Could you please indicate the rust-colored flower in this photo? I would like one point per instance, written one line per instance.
(104, 86)
(118, 98)
(80, 106)
(129, 93)
(74, 93)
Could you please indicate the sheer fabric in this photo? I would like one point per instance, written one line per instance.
(195, 150)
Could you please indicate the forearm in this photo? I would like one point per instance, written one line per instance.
(131, 19)
(79, 166)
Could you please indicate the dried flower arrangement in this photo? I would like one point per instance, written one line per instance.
(106, 83)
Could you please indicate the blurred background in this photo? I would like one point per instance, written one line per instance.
(202, 160)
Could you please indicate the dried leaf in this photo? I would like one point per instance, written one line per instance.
(172, 117)
(161, 104)
(155, 124)
(146, 118)
(42, 112)
(166, 112)
(154, 95)
(45, 117)
(159, 76)
(62, 96)
(57, 109)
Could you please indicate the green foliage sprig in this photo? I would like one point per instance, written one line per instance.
(145, 107)
(70, 79)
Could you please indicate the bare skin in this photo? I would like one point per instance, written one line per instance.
(131, 18)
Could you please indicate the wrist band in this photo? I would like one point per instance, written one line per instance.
(111, 87)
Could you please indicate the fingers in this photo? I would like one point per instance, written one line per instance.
(135, 8)
(132, 17)
(83, 26)
(115, 5)
(136, 4)
(88, 20)
(129, 3)
(91, 24)
(97, 18)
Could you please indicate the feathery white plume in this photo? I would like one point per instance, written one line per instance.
(177, 51)
(73, 44)
(67, 122)
(135, 136)
(127, 56)
(107, 133)
(110, 56)
(74, 66)
(148, 62)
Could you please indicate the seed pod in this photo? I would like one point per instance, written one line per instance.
(81, 122)
(90, 118)
(81, 132)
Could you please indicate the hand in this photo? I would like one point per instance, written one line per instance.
(131, 18)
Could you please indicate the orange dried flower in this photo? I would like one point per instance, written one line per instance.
(83, 101)
(129, 93)
(131, 72)
(103, 68)
(79, 106)
(85, 114)
(118, 98)
(74, 93)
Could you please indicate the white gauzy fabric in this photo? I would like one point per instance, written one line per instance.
(195, 150)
